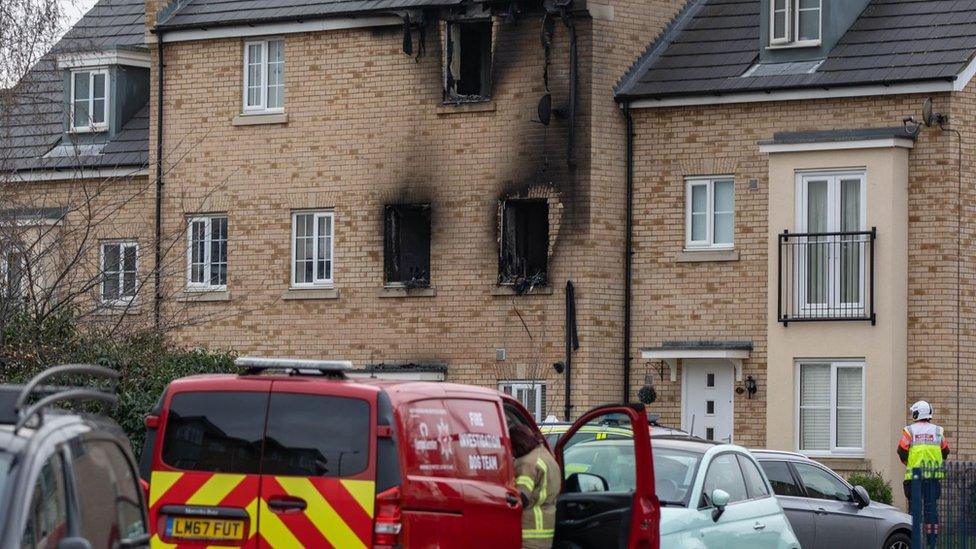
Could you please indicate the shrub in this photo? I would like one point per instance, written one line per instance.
(878, 487)
(147, 361)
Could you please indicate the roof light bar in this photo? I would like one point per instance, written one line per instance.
(257, 364)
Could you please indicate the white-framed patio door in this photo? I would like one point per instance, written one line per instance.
(830, 210)
(706, 399)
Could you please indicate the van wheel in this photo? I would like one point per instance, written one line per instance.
(898, 541)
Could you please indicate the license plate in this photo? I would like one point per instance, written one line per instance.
(204, 528)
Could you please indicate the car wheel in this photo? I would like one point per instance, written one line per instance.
(898, 541)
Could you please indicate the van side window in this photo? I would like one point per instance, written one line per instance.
(313, 435)
(108, 493)
(215, 431)
(47, 521)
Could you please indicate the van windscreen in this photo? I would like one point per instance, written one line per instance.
(313, 435)
(215, 431)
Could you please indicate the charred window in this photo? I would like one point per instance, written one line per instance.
(468, 72)
(524, 253)
(407, 235)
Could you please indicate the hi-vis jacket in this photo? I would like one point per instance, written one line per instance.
(923, 444)
(538, 479)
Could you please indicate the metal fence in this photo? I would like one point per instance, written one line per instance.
(956, 505)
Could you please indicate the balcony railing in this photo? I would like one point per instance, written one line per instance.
(826, 276)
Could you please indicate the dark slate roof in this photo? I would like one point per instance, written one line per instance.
(714, 43)
(834, 136)
(32, 130)
(188, 14)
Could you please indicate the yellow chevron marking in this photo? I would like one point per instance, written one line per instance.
(214, 490)
(252, 511)
(156, 543)
(320, 512)
(159, 483)
(364, 491)
(273, 530)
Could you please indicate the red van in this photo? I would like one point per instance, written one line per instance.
(292, 454)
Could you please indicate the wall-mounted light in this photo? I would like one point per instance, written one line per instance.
(751, 386)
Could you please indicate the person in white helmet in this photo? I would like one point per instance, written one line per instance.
(923, 444)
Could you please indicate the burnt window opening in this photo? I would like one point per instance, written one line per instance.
(524, 255)
(407, 245)
(468, 72)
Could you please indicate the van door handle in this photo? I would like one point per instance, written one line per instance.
(512, 500)
(285, 505)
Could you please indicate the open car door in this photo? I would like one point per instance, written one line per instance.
(608, 497)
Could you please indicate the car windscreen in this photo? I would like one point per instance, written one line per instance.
(674, 469)
(219, 431)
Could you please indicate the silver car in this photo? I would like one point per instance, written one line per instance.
(826, 512)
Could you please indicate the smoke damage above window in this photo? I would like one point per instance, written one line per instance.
(523, 259)
(467, 74)
(407, 245)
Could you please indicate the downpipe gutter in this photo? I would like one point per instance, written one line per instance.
(158, 251)
(628, 248)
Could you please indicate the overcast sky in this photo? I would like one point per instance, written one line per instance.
(76, 8)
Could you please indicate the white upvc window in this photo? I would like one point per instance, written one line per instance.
(830, 407)
(795, 22)
(120, 268)
(264, 75)
(89, 100)
(206, 258)
(312, 249)
(532, 395)
(709, 212)
(831, 217)
(14, 277)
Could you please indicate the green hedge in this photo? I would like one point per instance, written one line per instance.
(877, 486)
(147, 362)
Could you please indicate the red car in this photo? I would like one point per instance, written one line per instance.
(291, 453)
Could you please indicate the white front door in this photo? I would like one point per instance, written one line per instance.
(707, 399)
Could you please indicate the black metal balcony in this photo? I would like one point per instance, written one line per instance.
(826, 276)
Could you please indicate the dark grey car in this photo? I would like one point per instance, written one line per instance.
(826, 512)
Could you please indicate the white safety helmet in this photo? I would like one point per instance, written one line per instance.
(921, 410)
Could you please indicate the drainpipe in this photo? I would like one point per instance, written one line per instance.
(158, 297)
(628, 247)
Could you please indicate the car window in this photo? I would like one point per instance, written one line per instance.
(674, 474)
(315, 435)
(779, 475)
(724, 474)
(216, 431)
(47, 519)
(108, 493)
(755, 485)
(822, 485)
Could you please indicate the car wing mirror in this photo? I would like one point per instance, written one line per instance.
(581, 483)
(74, 542)
(719, 499)
(861, 497)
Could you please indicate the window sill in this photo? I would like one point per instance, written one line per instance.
(507, 289)
(254, 119)
(706, 255)
(400, 291)
(460, 107)
(296, 294)
(115, 309)
(794, 45)
(844, 463)
(203, 296)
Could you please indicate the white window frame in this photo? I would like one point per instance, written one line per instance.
(833, 178)
(709, 242)
(262, 107)
(207, 254)
(5, 292)
(538, 387)
(792, 25)
(122, 299)
(317, 280)
(91, 127)
(835, 364)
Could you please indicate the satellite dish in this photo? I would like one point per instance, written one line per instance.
(927, 116)
(545, 109)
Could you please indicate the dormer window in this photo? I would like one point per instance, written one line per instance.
(795, 22)
(89, 100)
